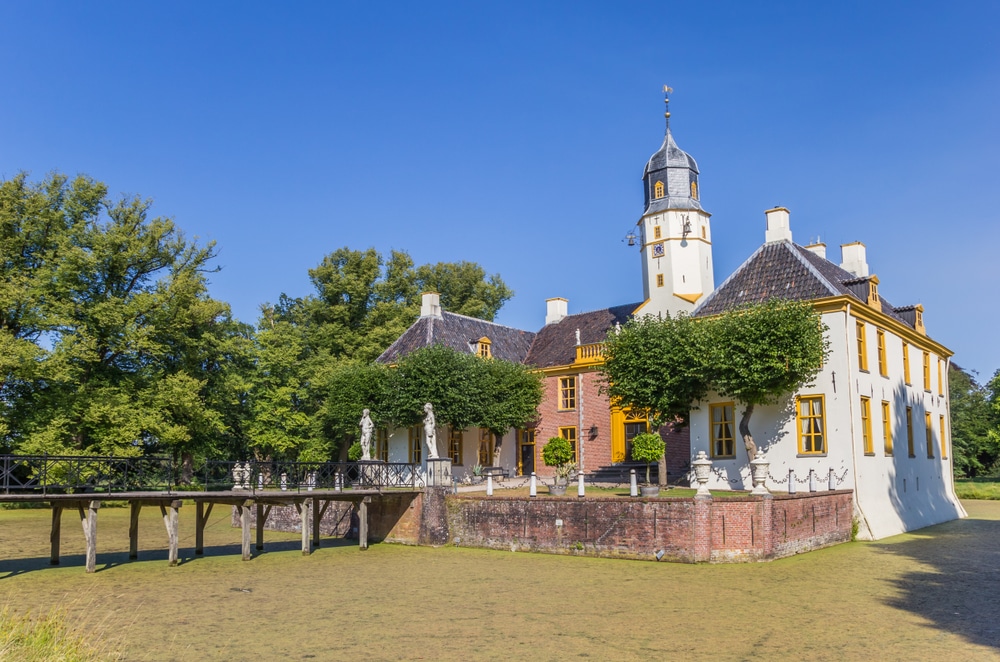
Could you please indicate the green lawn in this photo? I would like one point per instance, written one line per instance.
(929, 595)
(977, 488)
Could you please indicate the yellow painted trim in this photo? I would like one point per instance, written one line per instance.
(944, 445)
(690, 298)
(822, 418)
(711, 428)
(640, 307)
(910, 448)
(904, 331)
(569, 386)
(886, 427)
(866, 425)
(664, 211)
(928, 421)
(574, 439)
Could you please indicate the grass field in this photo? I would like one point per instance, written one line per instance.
(977, 488)
(930, 595)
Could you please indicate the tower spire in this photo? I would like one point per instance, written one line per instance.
(666, 106)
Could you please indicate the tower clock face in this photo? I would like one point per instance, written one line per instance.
(658, 250)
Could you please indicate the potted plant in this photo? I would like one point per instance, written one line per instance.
(558, 453)
(648, 447)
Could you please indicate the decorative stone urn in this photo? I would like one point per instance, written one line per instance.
(702, 469)
(758, 469)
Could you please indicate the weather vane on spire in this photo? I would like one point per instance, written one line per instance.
(666, 103)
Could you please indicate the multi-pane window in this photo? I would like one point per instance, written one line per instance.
(886, 428)
(723, 432)
(909, 432)
(659, 280)
(883, 367)
(382, 445)
(940, 377)
(485, 349)
(930, 434)
(657, 232)
(525, 451)
(906, 363)
(658, 190)
(866, 425)
(567, 393)
(859, 330)
(416, 444)
(569, 434)
(927, 371)
(944, 444)
(485, 448)
(455, 446)
(812, 424)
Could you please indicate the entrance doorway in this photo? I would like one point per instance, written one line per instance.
(525, 452)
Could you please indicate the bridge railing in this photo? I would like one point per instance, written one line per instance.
(76, 474)
(254, 475)
(61, 474)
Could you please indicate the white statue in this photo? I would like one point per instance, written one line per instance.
(430, 432)
(366, 436)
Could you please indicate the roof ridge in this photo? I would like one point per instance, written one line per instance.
(601, 310)
(733, 275)
(812, 268)
(477, 319)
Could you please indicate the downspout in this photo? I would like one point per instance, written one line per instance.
(850, 400)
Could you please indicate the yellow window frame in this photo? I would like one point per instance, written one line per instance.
(866, 425)
(658, 190)
(812, 438)
(455, 446)
(944, 444)
(722, 432)
(859, 330)
(886, 428)
(909, 432)
(927, 371)
(906, 363)
(415, 440)
(930, 435)
(382, 444)
(569, 434)
(567, 393)
(883, 366)
(940, 378)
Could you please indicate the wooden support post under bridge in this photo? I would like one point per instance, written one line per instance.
(201, 515)
(302, 507)
(88, 518)
(170, 516)
(363, 522)
(133, 529)
(55, 535)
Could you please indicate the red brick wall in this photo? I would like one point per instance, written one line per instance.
(596, 412)
(699, 529)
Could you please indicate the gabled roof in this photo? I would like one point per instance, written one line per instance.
(460, 333)
(788, 271)
(555, 344)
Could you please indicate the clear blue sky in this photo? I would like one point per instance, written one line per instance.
(514, 135)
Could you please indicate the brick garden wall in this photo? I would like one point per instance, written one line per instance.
(689, 529)
(701, 529)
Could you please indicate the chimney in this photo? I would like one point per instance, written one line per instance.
(853, 258)
(778, 228)
(555, 310)
(818, 248)
(430, 304)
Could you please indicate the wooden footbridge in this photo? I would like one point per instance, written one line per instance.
(83, 484)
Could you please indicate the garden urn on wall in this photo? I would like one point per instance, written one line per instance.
(702, 468)
(758, 469)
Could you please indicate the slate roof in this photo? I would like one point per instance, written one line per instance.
(461, 333)
(555, 344)
(788, 271)
(676, 169)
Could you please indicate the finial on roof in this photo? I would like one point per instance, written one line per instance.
(666, 103)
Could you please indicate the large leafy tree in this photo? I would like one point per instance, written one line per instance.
(754, 354)
(759, 353)
(113, 343)
(974, 423)
(513, 393)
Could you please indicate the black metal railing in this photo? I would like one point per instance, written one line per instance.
(77, 474)
(72, 474)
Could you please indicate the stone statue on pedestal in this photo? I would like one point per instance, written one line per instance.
(366, 435)
(430, 432)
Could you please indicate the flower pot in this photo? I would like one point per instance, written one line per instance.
(557, 490)
(649, 490)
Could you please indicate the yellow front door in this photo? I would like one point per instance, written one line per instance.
(624, 426)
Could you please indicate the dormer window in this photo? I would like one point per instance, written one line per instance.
(484, 348)
(658, 190)
(919, 319)
(694, 190)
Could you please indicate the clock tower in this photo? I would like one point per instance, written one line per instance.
(675, 233)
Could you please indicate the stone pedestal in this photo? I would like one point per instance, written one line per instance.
(439, 472)
(758, 470)
(702, 470)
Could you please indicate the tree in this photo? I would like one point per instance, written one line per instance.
(513, 393)
(754, 354)
(648, 447)
(347, 388)
(656, 366)
(452, 381)
(974, 441)
(114, 305)
(759, 353)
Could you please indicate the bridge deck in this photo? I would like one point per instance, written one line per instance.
(310, 505)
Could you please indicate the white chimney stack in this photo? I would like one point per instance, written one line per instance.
(555, 309)
(430, 304)
(818, 248)
(854, 258)
(778, 228)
